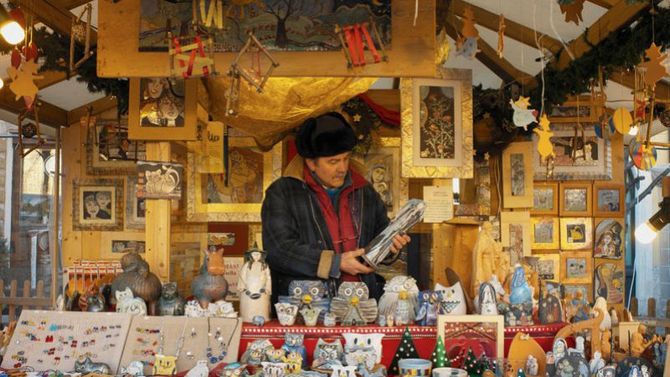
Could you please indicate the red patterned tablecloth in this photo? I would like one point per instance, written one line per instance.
(424, 336)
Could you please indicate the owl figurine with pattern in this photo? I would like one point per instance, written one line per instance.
(327, 354)
(293, 342)
(275, 355)
(400, 300)
(427, 312)
(348, 371)
(353, 305)
(256, 352)
(294, 362)
(308, 293)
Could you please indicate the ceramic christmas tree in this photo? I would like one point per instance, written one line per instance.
(471, 364)
(439, 355)
(406, 350)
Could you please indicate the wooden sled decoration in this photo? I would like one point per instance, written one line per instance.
(80, 32)
(354, 38)
(29, 130)
(193, 55)
(592, 324)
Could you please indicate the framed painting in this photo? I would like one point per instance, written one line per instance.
(516, 234)
(162, 108)
(209, 198)
(113, 245)
(576, 199)
(609, 281)
(135, 207)
(233, 238)
(577, 298)
(159, 180)
(383, 172)
(608, 200)
(483, 334)
(576, 233)
(576, 267)
(545, 198)
(109, 151)
(577, 109)
(544, 233)
(549, 266)
(592, 162)
(97, 204)
(517, 177)
(609, 239)
(436, 120)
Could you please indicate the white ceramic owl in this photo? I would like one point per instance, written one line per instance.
(354, 342)
(453, 299)
(353, 305)
(400, 299)
(341, 371)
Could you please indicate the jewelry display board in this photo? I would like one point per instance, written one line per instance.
(55, 340)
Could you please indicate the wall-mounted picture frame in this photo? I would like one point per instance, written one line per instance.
(577, 292)
(97, 204)
(593, 162)
(481, 333)
(609, 239)
(516, 234)
(109, 151)
(113, 245)
(577, 109)
(576, 267)
(608, 200)
(575, 199)
(576, 233)
(383, 172)
(545, 198)
(609, 281)
(232, 237)
(436, 122)
(549, 266)
(162, 108)
(135, 207)
(159, 180)
(251, 172)
(544, 233)
(517, 161)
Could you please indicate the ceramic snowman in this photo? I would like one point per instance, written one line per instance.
(255, 286)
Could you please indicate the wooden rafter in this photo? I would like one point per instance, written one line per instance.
(98, 106)
(70, 4)
(513, 30)
(605, 3)
(49, 114)
(627, 79)
(619, 15)
(489, 57)
(52, 15)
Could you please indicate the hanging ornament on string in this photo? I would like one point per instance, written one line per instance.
(355, 37)
(655, 70)
(466, 44)
(23, 71)
(442, 48)
(622, 120)
(523, 116)
(501, 36)
(544, 146)
(572, 10)
(642, 154)
(80, 31)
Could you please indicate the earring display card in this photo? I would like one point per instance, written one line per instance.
(55, 340)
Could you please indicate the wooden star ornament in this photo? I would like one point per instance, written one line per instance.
(573, 11)
(655, 70)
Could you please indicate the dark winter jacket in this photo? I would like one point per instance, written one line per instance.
(296, 237)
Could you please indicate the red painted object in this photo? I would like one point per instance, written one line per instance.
(424, 336)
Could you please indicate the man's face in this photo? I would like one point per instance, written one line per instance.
(330, 170)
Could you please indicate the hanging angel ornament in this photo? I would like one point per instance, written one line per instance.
(23, 81)
(466, 44)
(544, 134)
(655, 70)
(523, 116)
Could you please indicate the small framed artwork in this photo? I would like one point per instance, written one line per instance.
(135, 207)
(113, 245)
(577, 298)
(544, 233)
(576, 233)
(517, 175)
(608, 200)
(576, 267)
(159, 180)
(575, 110)
(108, 149)
(162, 108)
(609, 281)
(233, 238)
(127, 246)
(545, 198)
(609, 239)
(437, 125)
(575, 199)
(383, 172)
(549, 266)
(516, 234)
(97, 204)
(483, 334)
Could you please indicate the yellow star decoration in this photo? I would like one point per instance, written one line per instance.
(357, 118)
(544, 145)
(523, 102)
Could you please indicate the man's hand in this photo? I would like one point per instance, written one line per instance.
(399, 241)
(350, 264)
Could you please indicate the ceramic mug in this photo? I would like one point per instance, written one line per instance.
(286, 313)
(449, 372)
(415, 367)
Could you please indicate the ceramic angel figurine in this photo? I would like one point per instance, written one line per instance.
(255, 285)
(484, 254)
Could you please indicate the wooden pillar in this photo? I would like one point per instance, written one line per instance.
(157, 229)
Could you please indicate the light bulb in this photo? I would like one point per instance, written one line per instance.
(12, 32)
(645, 233)
(2, 83)
(634, 129)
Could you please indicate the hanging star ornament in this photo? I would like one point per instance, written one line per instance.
(23, 81)
(573, 11)
(523, 116)
(466, 45)
(544, 133)
(655, 70)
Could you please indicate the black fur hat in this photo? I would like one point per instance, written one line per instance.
(324, 136)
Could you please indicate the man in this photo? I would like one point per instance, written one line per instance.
(322, 212)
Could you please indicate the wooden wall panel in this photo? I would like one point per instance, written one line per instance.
(412, 52)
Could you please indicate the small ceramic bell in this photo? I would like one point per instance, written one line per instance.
(286, 313)
(310, 315)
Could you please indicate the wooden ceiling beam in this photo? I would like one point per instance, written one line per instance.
(489, 57)
(98, 106)
(70, 4)
(619, 15)
(605, 3)
(513, 30)
(52, 15)
(49, 114)
(627, 79)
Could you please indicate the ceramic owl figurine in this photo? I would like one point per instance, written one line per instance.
(400, 299)
(256, 352)
(367, 342)
(353, 305)
(274, 369)
(327, 354)
(521, 293)
(427, 311)
(275, 355)
(311, 293)
(452, 299)
(348, 371)
(293, 342)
